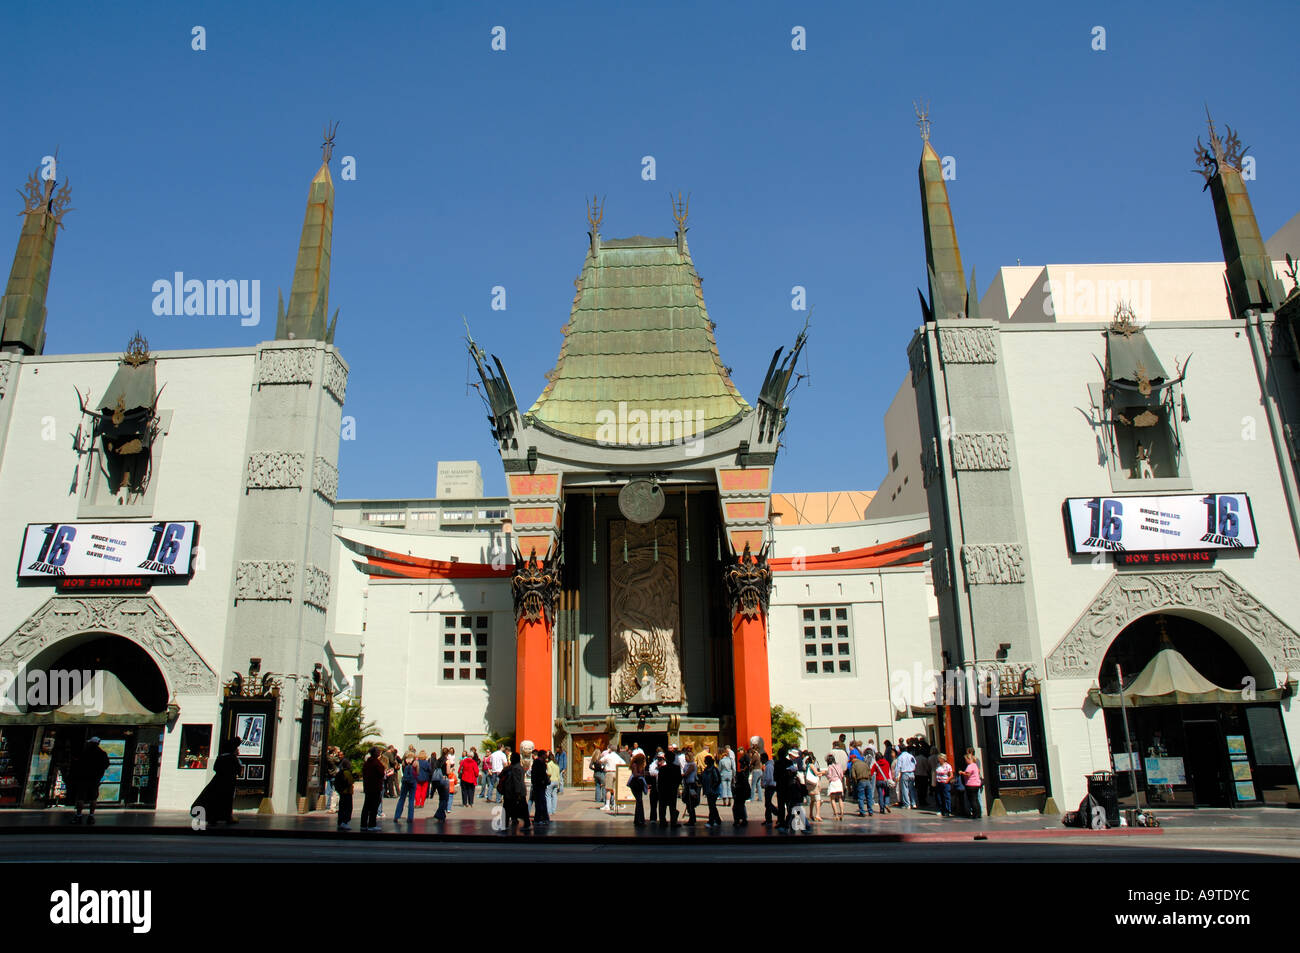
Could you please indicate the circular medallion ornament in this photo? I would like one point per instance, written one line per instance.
(641, 501)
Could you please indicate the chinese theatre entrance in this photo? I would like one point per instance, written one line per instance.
(104, 687)
(1203, 733)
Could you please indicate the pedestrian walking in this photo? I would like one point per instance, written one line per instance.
(216, 801)
(372, 789)
(904, 768)
(670, 778)
(711, 786)
(423, 774)
(835, 785)
(469, 772)
(342, 783)
(727, 772)
(88, 770)
(812, 777)
(922, 780)
(408, 772)
(882, 775)
(511, 787)
(942, 780)
(554, 784)
(860, 777)
(770, 810)
(539, 778)
(973, 784)
(639, 785)
(741, 792)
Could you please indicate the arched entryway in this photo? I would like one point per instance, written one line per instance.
(1200, 712)
(92, 684)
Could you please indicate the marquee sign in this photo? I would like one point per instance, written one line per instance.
(57, 551)
(1154, 524)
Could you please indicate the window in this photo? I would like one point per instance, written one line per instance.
(827, 638)
(465, 648)
(893, 464)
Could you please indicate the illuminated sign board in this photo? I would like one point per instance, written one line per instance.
(56, 551)
(1138, 524)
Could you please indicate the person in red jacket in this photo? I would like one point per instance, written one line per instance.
(468, 780)
(880, 773)
(372, 784)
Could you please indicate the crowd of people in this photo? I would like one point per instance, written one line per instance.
(791, 786)
(417, 776)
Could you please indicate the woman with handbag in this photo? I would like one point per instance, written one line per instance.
(835, 786)
(881, 772)
(812, 779)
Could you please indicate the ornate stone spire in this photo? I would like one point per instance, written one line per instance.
(22, 309)
(309, 297)
(1250, 280)
(949, 296)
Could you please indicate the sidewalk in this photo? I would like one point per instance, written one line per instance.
(580, 820)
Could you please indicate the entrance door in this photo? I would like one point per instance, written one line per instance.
(1205, 763)
(648, 740)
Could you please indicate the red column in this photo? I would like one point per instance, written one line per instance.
(533, 669)
(749, 661)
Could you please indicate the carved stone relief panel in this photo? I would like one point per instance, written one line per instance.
(968, 346)
(138, 618)
(336, 378)
(993, 563)
(325, 479)
(265, 579)
(981, 451)
(644, 614)
(1128, 596)
(316, 587)
(274, 469)
(285, 365)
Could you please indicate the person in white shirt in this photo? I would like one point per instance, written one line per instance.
(905, 769)
(610, 760)
(496, 764)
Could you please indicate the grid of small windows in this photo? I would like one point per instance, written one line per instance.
(827, 641)
(465, 648)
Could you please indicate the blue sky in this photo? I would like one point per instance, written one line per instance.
(472, 168)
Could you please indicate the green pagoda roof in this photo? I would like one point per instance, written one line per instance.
(639, 334)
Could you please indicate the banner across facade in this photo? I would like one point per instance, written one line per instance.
(54, 550)
(1160, 523)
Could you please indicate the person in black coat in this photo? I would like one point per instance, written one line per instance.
(343, 785)
(710, 784)
(740, 792)
(540, 781)
(670, 779)
(372, 787)
(87, 771)
(217, 800)
(511, 788)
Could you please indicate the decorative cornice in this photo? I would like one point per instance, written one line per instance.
(993, 563)
(968, 346)
(316, 587)
(336, 378)
(1127, 596)
(325, 479)
(274, 470)
(285, 365)
(138, 618)
(981, 451)
(265, 579)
